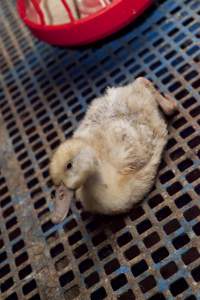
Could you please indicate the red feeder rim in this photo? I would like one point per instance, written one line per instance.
(86, 30)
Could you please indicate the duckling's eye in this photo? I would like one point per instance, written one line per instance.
(69, 166)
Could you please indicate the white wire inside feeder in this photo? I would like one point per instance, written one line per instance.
(57, 12)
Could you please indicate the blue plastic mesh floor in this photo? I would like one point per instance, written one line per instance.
(153, 252)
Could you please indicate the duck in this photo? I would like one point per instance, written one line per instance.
(111, 161)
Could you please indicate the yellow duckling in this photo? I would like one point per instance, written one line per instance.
(112, 159)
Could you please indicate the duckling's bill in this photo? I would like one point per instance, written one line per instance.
(62, 202)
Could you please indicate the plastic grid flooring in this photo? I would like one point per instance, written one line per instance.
(151, 253)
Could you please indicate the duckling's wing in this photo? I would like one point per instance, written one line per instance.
(129, 147)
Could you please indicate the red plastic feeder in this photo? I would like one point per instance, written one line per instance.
(85, 30)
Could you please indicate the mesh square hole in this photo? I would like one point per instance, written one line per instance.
(168, 270)
(191, 297)
(118, 282)
(197, 189)
(132, 252)
(18, 246)
(5, 201)
(166, 176)
(192, 176)
(180, 241)
(183, 200)
(124, 239)
(7, 284)
(176, 154)
(99, 238)
(196, 229)
(143, 226)
(190, 256)
(72, 293)
(3, 256)
(39, 203)
(111, 266)
(192, 144)
(99, 294)
(163, 213)
(157, 296)
(105, 252)
(147, 284)
(128, 295)
(178, 287)
(20, 259)
(47, 226)
(7, 212)
(139, 268)
(74, 238)
(192, 213)
(92, 279)
(156, 200)
(13, 296)
(187, 132)
(70, 225)
(66, 278)
(29, 287)
(93, 225)
(171, 226)
(171, 142)
(51, 238)
(160, 254)
(174, 188)
(196, 274)
(185, 164)
(136, 213)
(61, 263)
(4, 270)
(25, 272)
(85, 265)
(80, 250)
(35, 297)
(189, 102)
(117, 224)
(55, 251)
(151, 239)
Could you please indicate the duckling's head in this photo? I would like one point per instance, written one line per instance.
(72, 163)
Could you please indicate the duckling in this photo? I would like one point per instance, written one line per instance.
(112, 159)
